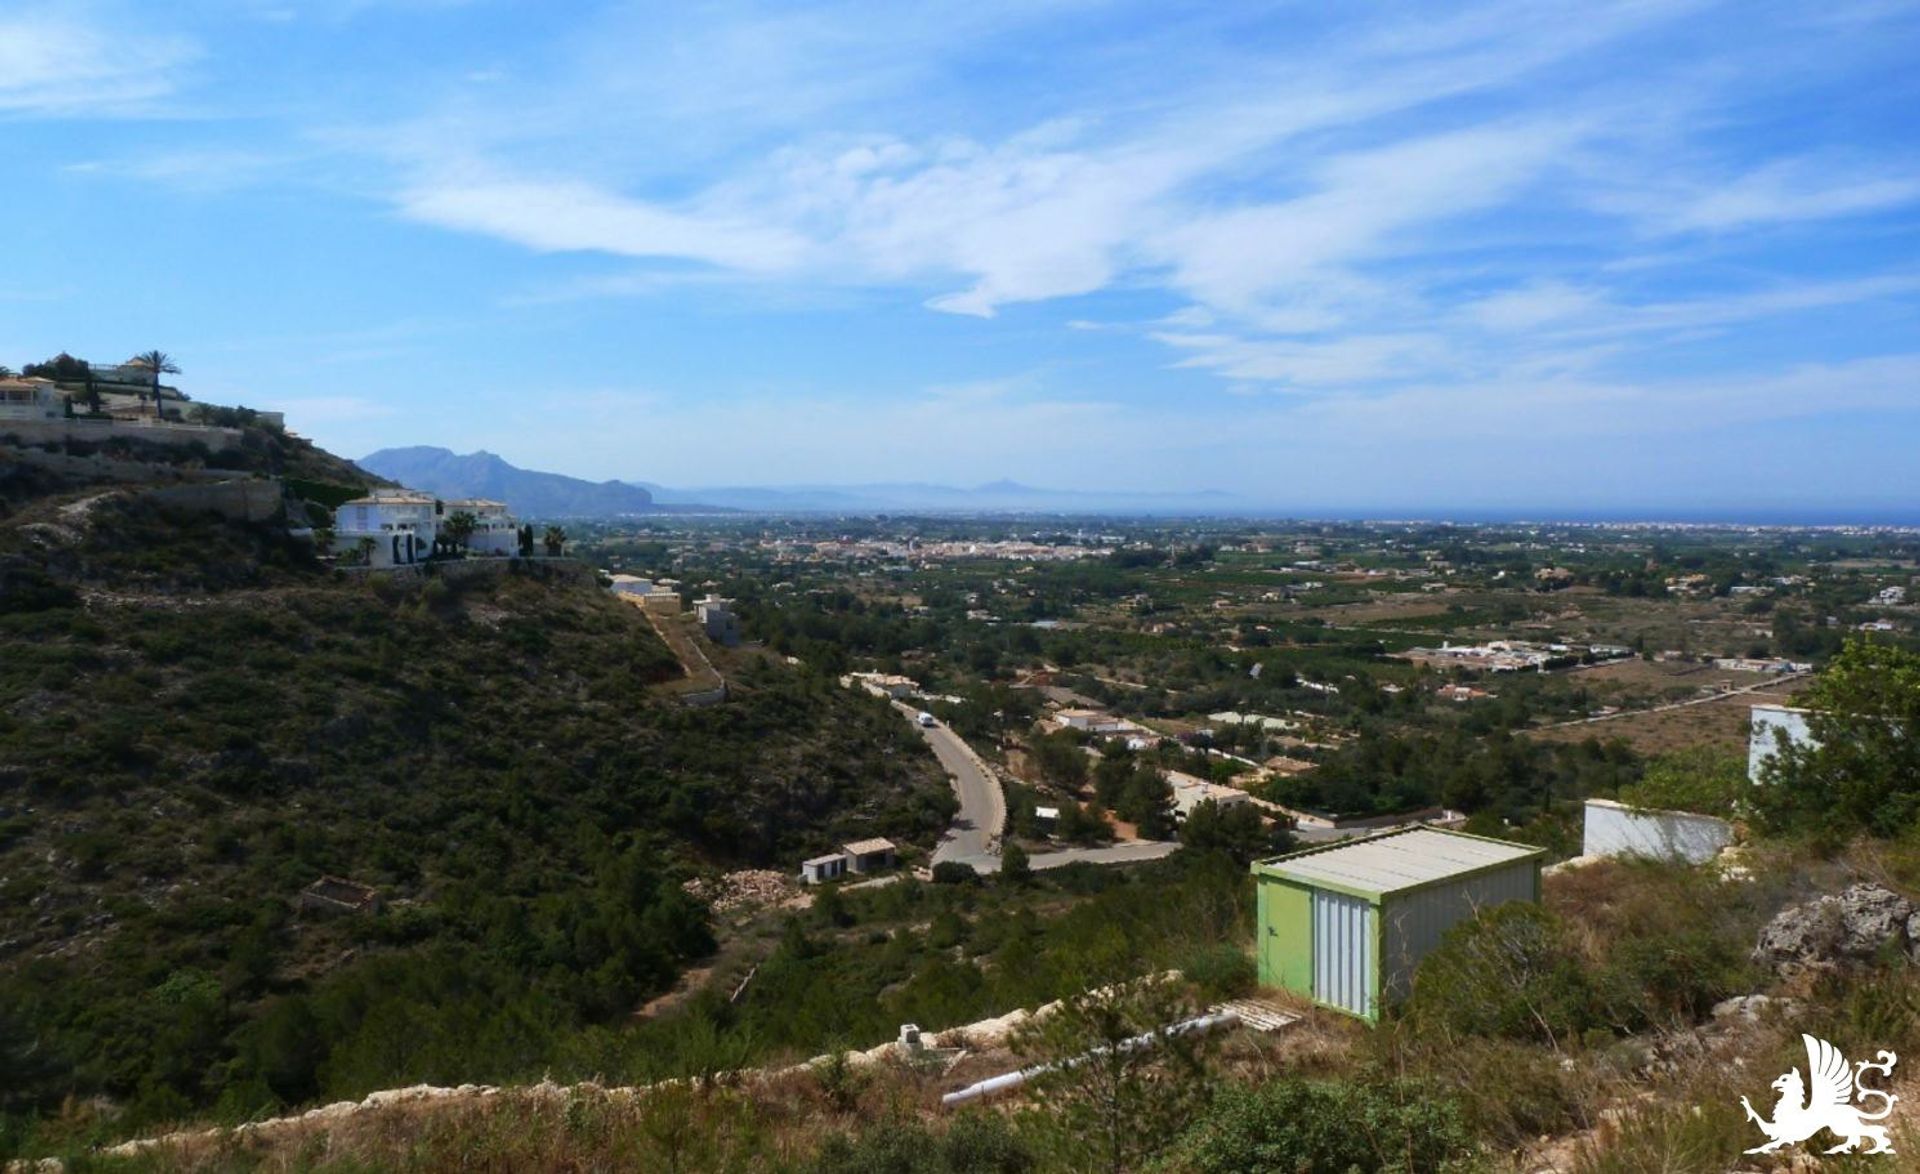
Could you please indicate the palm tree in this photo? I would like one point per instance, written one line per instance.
(457, 530)
(556, 540)
(159, 362)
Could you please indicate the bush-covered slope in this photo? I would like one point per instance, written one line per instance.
(196, 721)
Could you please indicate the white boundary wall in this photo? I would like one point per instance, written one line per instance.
(1615, 829)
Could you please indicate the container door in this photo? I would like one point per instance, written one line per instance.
(1343, 952)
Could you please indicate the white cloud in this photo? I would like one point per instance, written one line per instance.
(1349, 360)
(1783, 193)
(55, 65)
(561, 216)
(1359, 204)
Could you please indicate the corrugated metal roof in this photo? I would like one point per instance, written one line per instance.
(1399, 860)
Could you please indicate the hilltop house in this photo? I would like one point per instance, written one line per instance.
(495, 531)
(31, 399)
(403, 524)
(400, 523)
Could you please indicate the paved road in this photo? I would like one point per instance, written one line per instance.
(974, 837)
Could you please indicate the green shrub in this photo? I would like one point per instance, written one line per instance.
(950, 872)
(1221, 971)
(1324, 1125)
(976, 1143)
(1509, 972)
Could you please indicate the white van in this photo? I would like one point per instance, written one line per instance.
(926, 719)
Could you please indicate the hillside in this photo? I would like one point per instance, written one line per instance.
(528, 493)
(29, 473)
(197, 720)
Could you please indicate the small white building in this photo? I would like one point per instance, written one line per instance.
(822, 869)
(717, 618)
(632, 585)
(1094, 721)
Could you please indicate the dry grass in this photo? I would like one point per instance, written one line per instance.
(1720, 724)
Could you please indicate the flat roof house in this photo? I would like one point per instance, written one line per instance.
(870, 855)
(1347, 925)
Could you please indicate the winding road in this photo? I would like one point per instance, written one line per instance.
(974, 837)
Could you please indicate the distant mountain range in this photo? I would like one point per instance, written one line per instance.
(527, 493)
(536, 495)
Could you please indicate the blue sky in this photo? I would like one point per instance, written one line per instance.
(1655, 254)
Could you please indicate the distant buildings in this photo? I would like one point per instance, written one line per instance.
(654, 595)
(718, 621)
(1746, 664)
(882, 684)
(859, 857)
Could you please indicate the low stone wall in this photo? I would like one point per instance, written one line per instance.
(248, 500)
(1615, 829)
(471, 569)
(100, 431)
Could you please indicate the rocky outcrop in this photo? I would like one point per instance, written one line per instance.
(1856, 926)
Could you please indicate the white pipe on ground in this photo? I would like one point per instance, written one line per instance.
(1009, 1080)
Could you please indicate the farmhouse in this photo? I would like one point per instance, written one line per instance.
(874, 855)
(1347, 925)
(861, 856)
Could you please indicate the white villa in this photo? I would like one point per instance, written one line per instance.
(495, 530)
(31, 399)
(402, 525)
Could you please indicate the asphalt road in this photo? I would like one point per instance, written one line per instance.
(973, 839)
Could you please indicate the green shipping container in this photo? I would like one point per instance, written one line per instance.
(1347, 924)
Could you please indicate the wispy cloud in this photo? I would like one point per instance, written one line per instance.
(54, 64)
